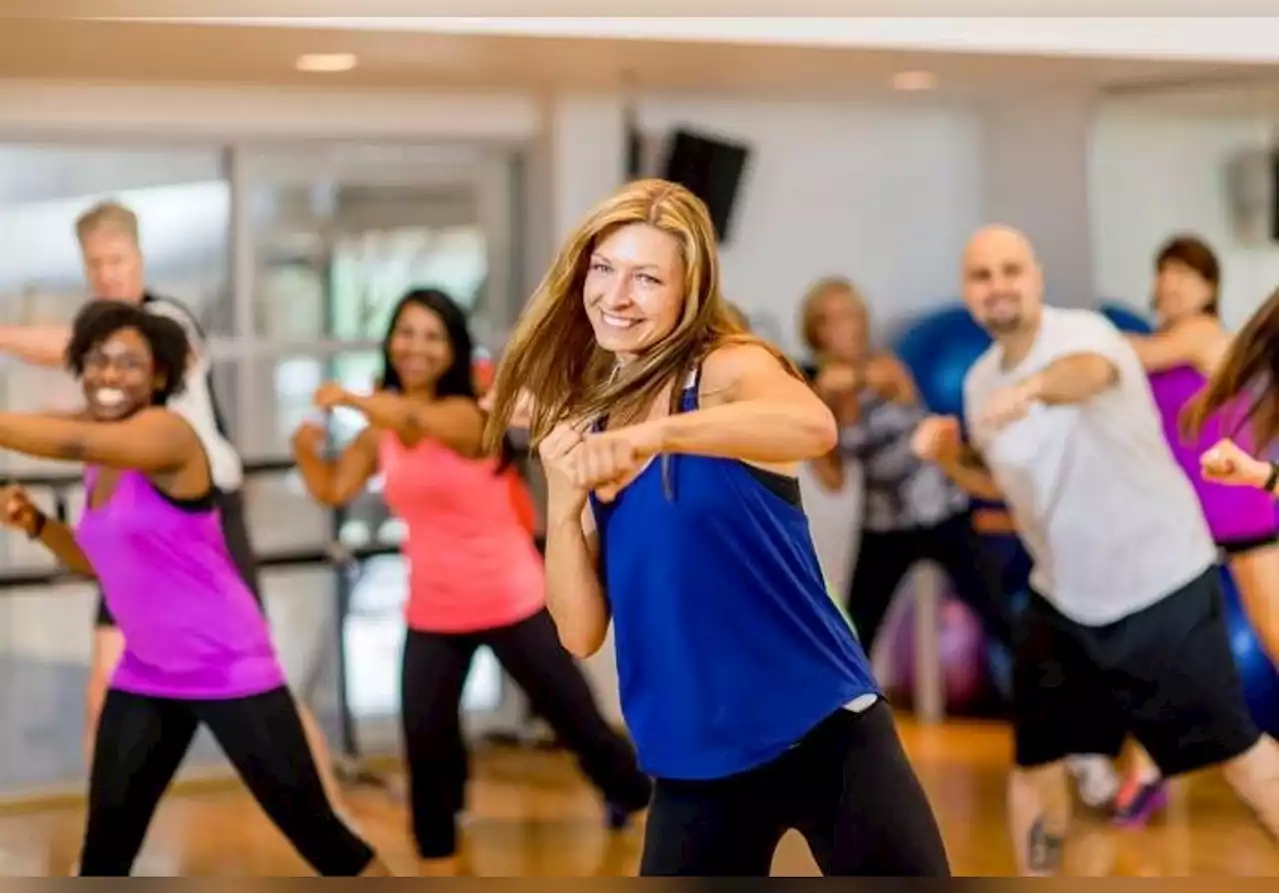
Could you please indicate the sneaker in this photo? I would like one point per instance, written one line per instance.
(1139, 800)
(1096, 781)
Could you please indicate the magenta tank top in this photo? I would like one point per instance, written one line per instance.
(192, 629)
(1233, 513)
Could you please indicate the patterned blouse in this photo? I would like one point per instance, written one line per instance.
(902, 491)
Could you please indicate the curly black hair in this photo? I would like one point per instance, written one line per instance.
(170, 350)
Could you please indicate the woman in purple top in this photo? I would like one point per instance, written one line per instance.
(197, 646)
(1181, 355)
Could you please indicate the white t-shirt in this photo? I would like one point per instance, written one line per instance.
(1109, 518)
(197, 403)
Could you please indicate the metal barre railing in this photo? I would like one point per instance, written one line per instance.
(338, 557)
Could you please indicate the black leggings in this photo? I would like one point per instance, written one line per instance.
(846, 786)
(885, 557)
(435, 669)
(142, 740)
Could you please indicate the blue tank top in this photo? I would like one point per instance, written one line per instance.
(729, 647)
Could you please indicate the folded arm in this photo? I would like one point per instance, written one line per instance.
(338, 481)
(153, 440)
(966, 467)
(457, 422)
(575, 594)
(892, 380)
(756, 411)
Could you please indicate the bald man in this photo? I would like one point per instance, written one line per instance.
(1124, 631)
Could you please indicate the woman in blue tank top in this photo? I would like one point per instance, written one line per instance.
(197, 648)
(670, 440)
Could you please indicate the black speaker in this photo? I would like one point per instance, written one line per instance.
(711, 169)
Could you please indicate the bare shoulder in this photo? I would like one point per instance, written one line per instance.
(739, 368)
(1201, 324)
(158, 420)
(731, 363)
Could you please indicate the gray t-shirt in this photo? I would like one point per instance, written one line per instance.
(1110, 520)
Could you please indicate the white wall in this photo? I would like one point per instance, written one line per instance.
(1156, 170)
(1035, 176)
(885, 195)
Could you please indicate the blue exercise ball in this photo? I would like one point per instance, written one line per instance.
(939, 349)
(1125, 319)
(1257, 673)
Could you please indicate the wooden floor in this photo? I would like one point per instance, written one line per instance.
(531, 814)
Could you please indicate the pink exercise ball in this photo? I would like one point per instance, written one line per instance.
(963, 655)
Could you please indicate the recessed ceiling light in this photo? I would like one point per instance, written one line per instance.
(914, 80)
(326, 62)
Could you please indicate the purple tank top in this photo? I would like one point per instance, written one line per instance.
(1233, 513)
(191, 627)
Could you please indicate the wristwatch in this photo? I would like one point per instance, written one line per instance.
(1270, 484)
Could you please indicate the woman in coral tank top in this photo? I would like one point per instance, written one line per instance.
(475, 576)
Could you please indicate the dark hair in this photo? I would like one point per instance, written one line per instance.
(1194, 253)
(457, 380)
(170, 350)
(1250, 369)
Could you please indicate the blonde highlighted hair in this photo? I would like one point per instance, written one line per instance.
(552, 356)
(809, 307)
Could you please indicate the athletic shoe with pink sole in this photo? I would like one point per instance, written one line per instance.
(1138, 801)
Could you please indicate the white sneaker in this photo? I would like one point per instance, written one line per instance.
(1096, 779)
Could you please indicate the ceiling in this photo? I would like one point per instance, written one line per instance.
(154, 52)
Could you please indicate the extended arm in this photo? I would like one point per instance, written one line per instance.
(457, 422)
(1072, 379)
(37, 345)
(764, 414)
(154, 440)
(1193, 342)
(336, 481)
